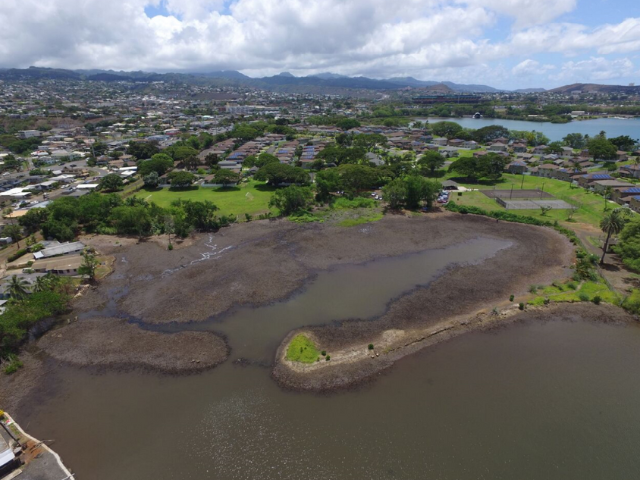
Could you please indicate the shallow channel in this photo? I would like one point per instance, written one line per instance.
(353, 291)
(556, 400)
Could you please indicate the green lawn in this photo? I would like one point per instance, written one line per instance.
(252, 197)
(584, 292)
(301, 349)
(591, 205)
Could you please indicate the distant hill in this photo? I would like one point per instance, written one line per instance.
(285, 81)
(327, 76)
(232, 74)
(530, 90)
(596, 88)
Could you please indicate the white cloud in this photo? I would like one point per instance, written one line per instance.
(527, 12)
(530, 67)
(595, 69)
(423, 38)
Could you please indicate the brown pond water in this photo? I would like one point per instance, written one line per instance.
(556, 400)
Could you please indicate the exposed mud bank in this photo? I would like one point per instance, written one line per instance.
(356, 364)
(115, 343)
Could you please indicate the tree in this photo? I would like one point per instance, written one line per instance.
(181, 179)
(602, 149)
(226, 177)
(612, 224)
(629, 244)
(181, 152)
(490, 133)
(13, 231)
(159, 163)
(42, 283)
(575, 140)
(292, 200)
(432, 160)
(624, 142)
(446, 129)
(151, 181)
(89, 265)
(265, 159)
(18, 288)
(278, 173)
(394, 193)
(212, 159)
(347, 123)
(355, 178)
(554, 147)
(110, 183)
(142, 150)
(191, 162)
(418, 190)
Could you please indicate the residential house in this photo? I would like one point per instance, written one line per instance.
(547, 170)
(517, 167)
(519, 147)
(497, 147)
(634, 204)
(623, 195)
(629, 171)
(539, 150)
(567, 152)
(600, 186)
(585, 180)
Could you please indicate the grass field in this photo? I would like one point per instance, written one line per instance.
(591, 205)
(301, 349)
(587, 291)
(252, 198)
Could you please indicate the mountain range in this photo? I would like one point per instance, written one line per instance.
(230, 77)
(325, 82)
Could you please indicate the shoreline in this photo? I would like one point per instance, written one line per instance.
(31, 450)
(355, 365)
(290, 256)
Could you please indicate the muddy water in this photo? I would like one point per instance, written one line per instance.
(554, 401)
(355, 291)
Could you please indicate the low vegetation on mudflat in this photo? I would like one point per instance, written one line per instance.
(302, 349)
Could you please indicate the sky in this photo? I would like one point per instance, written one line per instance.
(503, 43)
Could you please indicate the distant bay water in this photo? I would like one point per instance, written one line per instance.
(555, 131)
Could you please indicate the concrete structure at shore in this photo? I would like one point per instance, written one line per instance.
(23, 456)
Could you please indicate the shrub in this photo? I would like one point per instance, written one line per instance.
(511, 298)
(170, 247)
(583, 297)
(545, 301)
(17, 255)
(328, 358)
(632, 302)
(596, 299)
(324, 353)
(14, 365)
(533, 289)
(371, 346)
(572, 285)
(248, 217)
(521, 306)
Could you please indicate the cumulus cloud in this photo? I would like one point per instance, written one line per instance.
(597, 69)
(371, 37)
(530, 67)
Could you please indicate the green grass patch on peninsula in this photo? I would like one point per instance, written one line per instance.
(303, 350)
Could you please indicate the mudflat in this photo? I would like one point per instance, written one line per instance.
(258, 263)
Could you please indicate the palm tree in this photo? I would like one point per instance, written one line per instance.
(18, 288)
(611, 224)
(42, 283)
